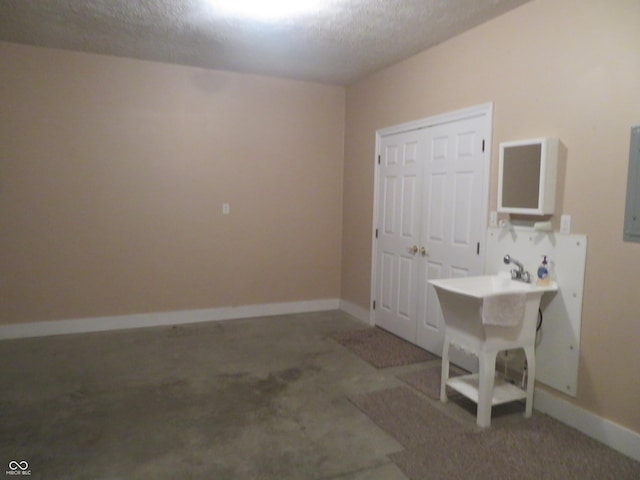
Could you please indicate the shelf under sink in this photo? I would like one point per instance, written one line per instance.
(503, 391)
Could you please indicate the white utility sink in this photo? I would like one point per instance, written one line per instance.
(485, 285)
(461, 300)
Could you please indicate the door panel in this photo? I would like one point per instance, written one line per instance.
(389, 204)
(388, 261)
(435, 214)
(462, 209)
(454, 175)
(428, 295)
(406, 285)
(408, 207)
(400, 184)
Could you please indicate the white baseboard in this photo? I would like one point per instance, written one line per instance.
(611, 434)
(121, 322)
(356, 311)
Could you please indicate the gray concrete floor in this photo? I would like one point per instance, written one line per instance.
(262, 398)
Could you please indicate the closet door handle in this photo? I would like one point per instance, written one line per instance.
(414, 249)
(423, 251)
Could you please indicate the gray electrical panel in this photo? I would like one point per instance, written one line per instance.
(632, 211)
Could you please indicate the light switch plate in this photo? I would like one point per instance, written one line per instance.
(565, 224)
(225, 209)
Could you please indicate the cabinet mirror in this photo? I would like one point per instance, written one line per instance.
(527, 176)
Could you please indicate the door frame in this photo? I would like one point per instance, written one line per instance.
(486, 110)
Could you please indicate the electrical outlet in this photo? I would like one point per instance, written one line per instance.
(565, 224)
(493, 219)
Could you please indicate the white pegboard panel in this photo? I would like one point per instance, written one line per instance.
(558, 344)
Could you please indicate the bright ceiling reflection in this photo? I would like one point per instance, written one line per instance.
(267, 9)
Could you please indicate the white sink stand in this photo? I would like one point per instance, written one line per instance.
(487, 388)
(461, 302)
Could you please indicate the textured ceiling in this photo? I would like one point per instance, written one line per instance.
(338, 44)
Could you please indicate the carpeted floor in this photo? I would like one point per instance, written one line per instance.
(404, 415)
(439, 448)
(381, 349)
(427, 380)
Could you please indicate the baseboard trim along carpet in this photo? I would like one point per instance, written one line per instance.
(605, 431)
(123, 322)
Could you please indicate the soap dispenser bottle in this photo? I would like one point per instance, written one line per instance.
(543, 273)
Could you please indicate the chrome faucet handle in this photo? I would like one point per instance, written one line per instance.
(521, 275)
(517, 273)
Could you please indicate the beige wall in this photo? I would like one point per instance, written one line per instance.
(567, 68)
(113, 173)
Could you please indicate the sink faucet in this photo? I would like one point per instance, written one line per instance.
(520, 273)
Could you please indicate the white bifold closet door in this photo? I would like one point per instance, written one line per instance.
(431, 218)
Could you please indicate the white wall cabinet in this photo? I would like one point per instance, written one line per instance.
(527, 175)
